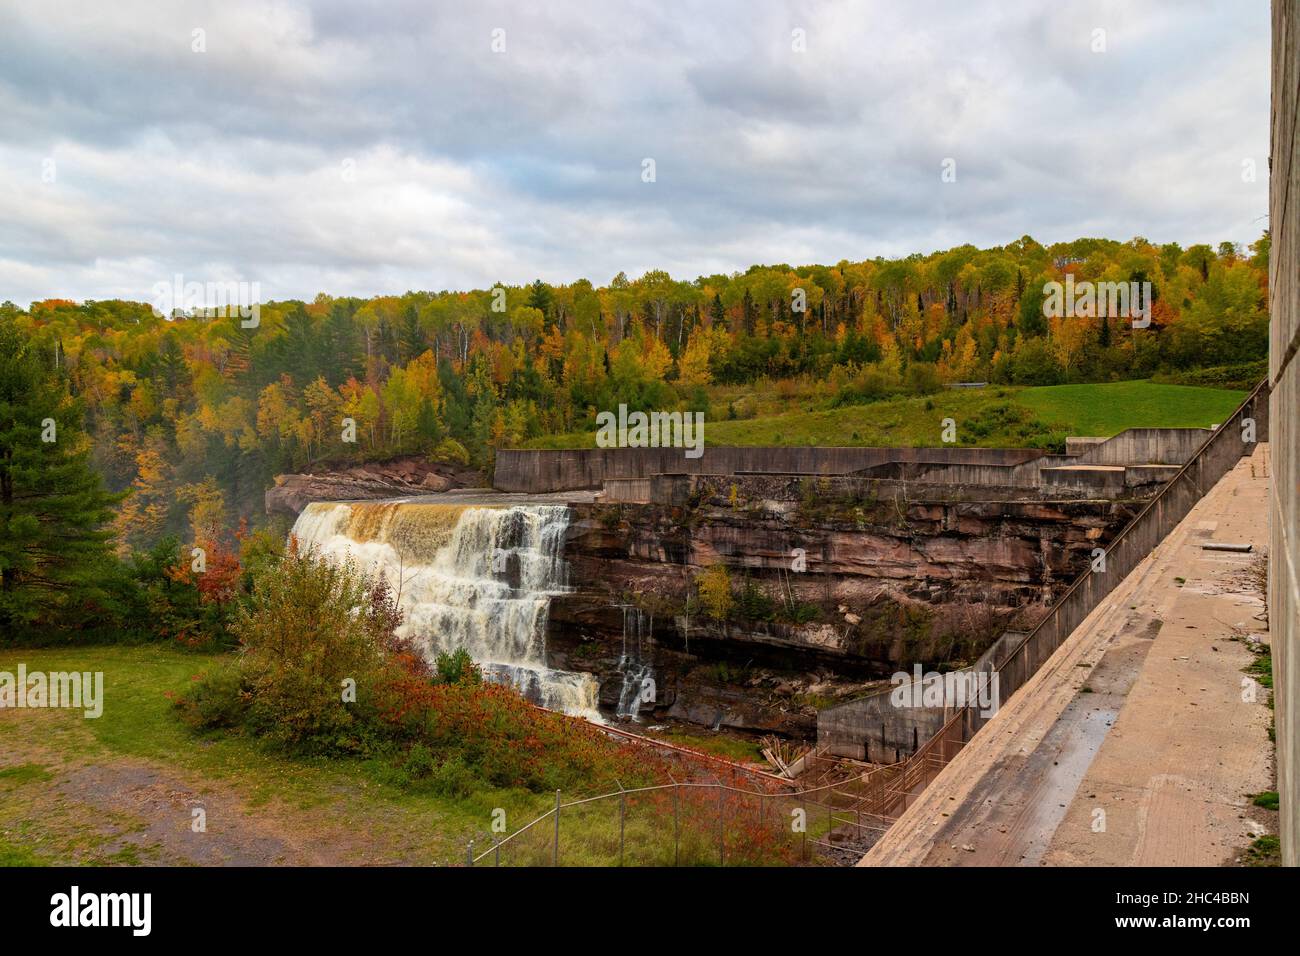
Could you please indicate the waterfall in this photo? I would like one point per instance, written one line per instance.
(636, 670)
(473, 577)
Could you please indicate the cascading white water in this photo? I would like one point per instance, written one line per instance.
(638, 675)
(478, 578)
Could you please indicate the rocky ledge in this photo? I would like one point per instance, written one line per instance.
(369, 480)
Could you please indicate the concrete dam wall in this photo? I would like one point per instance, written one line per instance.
(543, 471)
(1104, 467)
(871, 726)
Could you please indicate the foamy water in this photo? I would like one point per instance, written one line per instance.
(466, 576)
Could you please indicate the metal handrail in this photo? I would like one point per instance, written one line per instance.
(924, 752)
(794, 796)
(886, 785)
(1155, 499)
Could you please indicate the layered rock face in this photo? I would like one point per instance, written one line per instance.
(368, 481)
(847, 583)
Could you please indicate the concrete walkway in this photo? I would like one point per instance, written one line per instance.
(1133, 744)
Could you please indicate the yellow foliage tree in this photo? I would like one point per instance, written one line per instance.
(714, 584)
(693, 369)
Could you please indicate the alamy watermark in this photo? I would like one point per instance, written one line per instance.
(954, 689)
(212, 300)
(76, 690)
(652, 430)
(133, 911)
(1089, 300)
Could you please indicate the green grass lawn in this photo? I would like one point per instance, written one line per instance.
(139, 733)
(1107, 409)
(118, 790)
(1059, 410)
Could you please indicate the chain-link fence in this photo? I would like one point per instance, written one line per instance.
(690, 824)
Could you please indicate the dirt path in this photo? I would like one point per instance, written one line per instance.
(68, 801)
(1133, 745)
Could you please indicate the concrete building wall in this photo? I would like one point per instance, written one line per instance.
(1284, 309)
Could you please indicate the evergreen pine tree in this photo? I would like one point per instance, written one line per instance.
(719, 313)
(56, 566)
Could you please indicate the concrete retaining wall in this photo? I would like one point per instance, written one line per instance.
(1217, 456)
(544, 471)
(1147, 446)
(872, 728)
(549, 471)
(1284, 373)
(627, 491)
(850, 729)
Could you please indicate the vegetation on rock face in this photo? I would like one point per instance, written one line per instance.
(714, 585)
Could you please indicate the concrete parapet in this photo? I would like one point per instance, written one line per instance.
(549, 471)
(543, 471)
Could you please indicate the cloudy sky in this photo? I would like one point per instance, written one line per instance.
(375, 148)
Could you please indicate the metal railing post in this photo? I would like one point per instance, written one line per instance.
(622, 822)
(555, 852)
(469, 854)
(722, 840)
(677, 823)
(803, 851)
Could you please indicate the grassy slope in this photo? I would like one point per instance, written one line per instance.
(47, 814)
(1110, 408)
(118, 790)
(1100, 409)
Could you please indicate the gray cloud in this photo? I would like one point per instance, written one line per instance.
(318, 147)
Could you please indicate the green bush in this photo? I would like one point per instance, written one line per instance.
(450, 450)
(312, 633)
(870, 384)
(1006, 418)
(419, 762)
(922, 378)
(453, 778)
(753, 604)
(322, 672)
(801, 612)
(1242, 376)
(456, 668)
(1035, 364)
(219, 699)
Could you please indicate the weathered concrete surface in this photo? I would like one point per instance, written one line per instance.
(549, 470)
(1284, 309)
(537, 471)
(1160, 740)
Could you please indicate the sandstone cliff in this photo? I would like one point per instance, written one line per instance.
(886, 582)
(396, 478)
